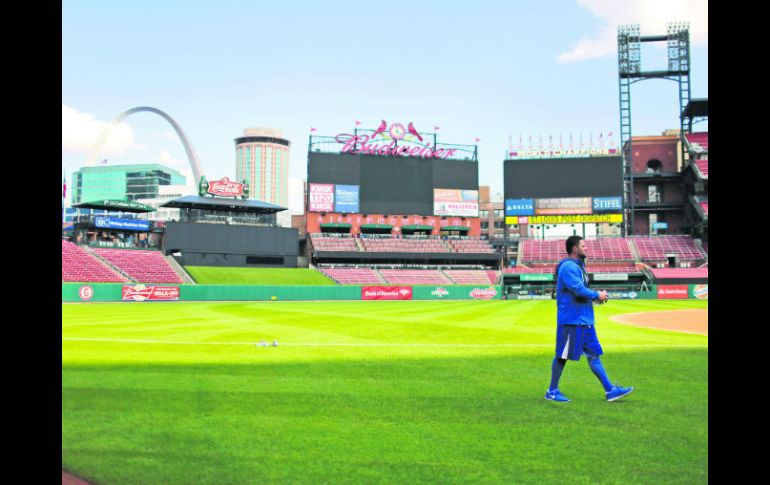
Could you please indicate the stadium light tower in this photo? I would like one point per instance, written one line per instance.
(677, 39)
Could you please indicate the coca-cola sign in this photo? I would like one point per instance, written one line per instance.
(225, 188)
(141, 292)
(483, 293)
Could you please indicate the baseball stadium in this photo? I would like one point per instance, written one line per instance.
(401, 329)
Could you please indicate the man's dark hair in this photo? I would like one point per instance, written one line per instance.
(572, 241)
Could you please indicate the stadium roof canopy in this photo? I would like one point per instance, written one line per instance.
(696, 108)
(417, 227)
(342, 225)
(115, 205)
(455, 228)
(215, 204)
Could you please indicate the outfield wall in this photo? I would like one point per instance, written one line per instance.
(104, 292)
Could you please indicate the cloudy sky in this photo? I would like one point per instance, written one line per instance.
(494, 70)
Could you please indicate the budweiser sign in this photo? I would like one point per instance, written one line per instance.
(365, 145)
(225, 188)
(483, 293)
(152, 293)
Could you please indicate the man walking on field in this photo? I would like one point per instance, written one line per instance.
(575, 332)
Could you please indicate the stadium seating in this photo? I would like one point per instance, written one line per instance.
(142, 266)
(701, 138)
(390, 245)
(671, 273)
(656, 248)
(703, 167)
(470, 246)
(78, 265)
(602, 249)
(598, 267)
(415, 277)
(471, 277)
(333, 243)
(352, 276)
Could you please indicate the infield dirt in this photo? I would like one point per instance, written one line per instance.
(687, 321)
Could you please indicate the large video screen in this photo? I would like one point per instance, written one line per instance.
(563, 178)
(385, 185)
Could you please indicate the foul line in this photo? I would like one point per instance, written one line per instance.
(351, 344)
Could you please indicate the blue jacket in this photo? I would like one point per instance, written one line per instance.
(574, 300)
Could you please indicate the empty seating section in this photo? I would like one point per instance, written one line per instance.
(656, 248)
(78, 265)
(470, 246)
(352, 276)
(701, 138)
(142, 266)
(703, 167)
(591, 267)
(705, 207)
(346, 242)
(671, 273)
(377, 245)
(471, 277)
(494, 277)
(331, 243)
(414, 277)
(603, 249)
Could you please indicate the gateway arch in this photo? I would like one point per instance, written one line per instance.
(191, 156)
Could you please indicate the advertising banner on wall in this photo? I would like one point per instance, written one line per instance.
(623, 295)
(608, 204)
(701, 292)
(563, 206)
(519, 207)
(346, 198)
(455, 202)
(321, 197)
(386, 292)
(152, 293)
(536, 277)
(672, 292)
(610, 276)
(483, 293)
(124, 224)
(576, 219)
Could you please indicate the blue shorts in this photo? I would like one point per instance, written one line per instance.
(574, 340)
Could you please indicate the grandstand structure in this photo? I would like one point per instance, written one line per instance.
(695, 174)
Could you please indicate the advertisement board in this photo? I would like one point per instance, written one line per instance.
(536, 277)
(321, 197)
(520, 207)
(386, 292)
(623, 295)
(456, 202)
(672, 292)
(225, 188)
(563, 206)
(124, 224)
(483, 293)
(142, 292)
(610, 277)
(346, 198)
(701, 292)
(574, 219)
(608, 204)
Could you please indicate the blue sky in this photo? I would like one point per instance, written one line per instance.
(487, 69)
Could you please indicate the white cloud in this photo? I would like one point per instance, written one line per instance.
(79, 132)
(183, 166)
(296, 195)
(651, 15)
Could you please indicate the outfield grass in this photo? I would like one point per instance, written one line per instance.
(210, 275)
(380, 402)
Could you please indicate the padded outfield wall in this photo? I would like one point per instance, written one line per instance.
(106, 292)
(114, 292)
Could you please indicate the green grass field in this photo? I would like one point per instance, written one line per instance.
(374, 392)
(211, 275)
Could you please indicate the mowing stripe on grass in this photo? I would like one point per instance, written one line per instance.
(352, 344)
